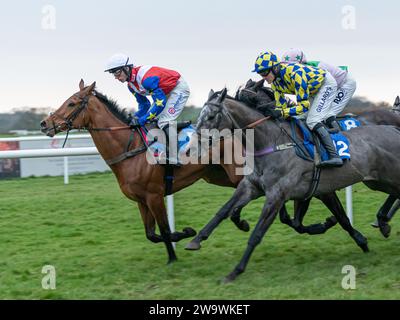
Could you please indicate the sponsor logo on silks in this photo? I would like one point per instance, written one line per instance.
(349, 123)
(171, 110)
(323, 99)
(339, 97)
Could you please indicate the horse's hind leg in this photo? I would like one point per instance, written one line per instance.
(155, 203)
(382, 216)
(333, 203)
(244, 193)
(385, 213)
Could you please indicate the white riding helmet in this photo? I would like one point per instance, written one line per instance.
(294, 55)
(118, 61)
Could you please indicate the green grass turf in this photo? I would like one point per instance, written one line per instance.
(94, 237)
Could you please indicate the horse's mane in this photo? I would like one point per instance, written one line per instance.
(235, 100)
(112, 105)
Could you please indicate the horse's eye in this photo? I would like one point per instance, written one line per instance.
(71, 104)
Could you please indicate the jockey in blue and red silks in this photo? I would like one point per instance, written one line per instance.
(169, 91)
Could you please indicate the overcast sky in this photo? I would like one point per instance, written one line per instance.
(46, 50)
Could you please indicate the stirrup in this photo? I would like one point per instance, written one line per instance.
(330, 163)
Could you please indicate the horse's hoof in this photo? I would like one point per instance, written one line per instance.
(375, 224)
(244, 226)
(171, 261)
(189, 232)
(193, 245)
(385, 230)
(364, 247)
(330, 222)
(229, 278)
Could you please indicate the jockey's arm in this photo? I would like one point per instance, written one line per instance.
(302, 94)
(143, 103)
(159, 99)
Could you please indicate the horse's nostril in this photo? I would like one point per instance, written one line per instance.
(43, 124)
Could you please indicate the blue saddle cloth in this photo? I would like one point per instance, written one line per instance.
(342, 144)
(184, 136)
(348, 123)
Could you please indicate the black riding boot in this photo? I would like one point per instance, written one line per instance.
(325, 138)
(172, 161)
(333, 126)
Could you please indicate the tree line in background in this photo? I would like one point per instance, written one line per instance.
(29, 118)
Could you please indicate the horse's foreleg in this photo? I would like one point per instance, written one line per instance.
(271, 207)
(385, 213)
(240, 223)
(186, 233)
(393, 210)
(149, 224)
(244, 193)
(333, 203)
(155, 203)
(301, 208)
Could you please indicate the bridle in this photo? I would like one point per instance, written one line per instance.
(68, 123)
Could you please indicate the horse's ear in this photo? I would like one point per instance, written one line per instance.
(211, 93)
(249, 83)
(91, 88)
(397, 101)
(259, 84)
(223, 95)
(81, 84)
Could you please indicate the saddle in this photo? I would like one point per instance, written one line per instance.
(158, 148)
(308, 145)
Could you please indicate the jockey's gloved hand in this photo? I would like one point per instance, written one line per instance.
(134, 122)
(276, 114)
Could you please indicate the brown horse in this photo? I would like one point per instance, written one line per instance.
(139, 180)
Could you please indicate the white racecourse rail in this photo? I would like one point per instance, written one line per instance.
(40, 153)
(66, 152)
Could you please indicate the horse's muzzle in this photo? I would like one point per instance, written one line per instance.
(50, 132)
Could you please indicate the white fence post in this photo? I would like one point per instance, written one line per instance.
(349, 203)
(171, 214)
(66, 177)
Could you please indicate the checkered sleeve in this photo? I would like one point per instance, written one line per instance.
(302, 93)
(280, 102)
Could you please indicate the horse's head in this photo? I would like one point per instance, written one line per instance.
(212, 113)
(71, 113)
(224, 112)
(256, 96)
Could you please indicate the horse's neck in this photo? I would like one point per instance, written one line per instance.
(111, 143)
(265, 134)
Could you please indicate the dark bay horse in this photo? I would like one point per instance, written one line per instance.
(138, 180)
(283, 176)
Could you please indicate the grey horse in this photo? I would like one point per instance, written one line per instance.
(282, 176)
(261, 98)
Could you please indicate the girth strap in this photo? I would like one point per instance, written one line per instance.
(126, 155)
(168, 178)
